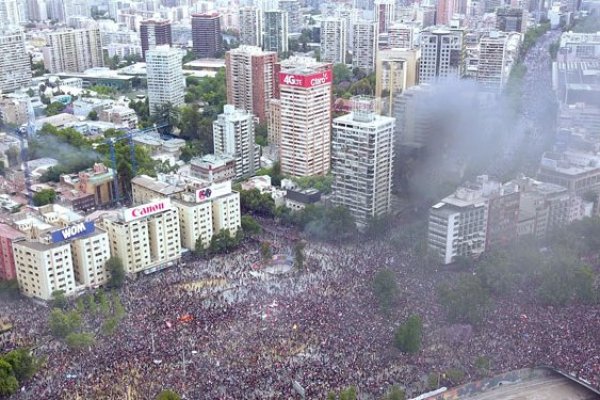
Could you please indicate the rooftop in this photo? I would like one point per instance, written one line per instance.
(163, 188)
(7, 231)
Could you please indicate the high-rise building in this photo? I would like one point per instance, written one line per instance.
(166, 83)
(362, 155)
(395, 71)
(385, 14)
(333, 40)
(206, 35)
(251, 25)
(15, 68)
(250, 74)
(154, 33)
(364, 45)
(276, 30)
(413, 117)
(9, 14)
(56, 10)
(73, 50)
(8, 235)
(292, 8)
(400, 36)
(233, 135)
(497, 53)
(442, 54)
(37, 10)
(444, 11)
(511, 20)
(305, 94)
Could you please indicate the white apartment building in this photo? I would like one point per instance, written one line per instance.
(73, 50)
(497, 53)
(233, 135)
(15, 69)
(305, 121)
(364, 45)
(166, 83)
(9, 14)
(275, 31)
(251, 26)
(362, 158)
(333, 40)
(145, 237)
(442, 54)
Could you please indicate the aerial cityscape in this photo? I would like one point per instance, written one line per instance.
(296, 199)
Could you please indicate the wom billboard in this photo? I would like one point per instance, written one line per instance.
(73, 231)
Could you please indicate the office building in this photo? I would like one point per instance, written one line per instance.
(73, 50)
(385, 14)
(8, 235)
(292, 8)
(364, 45)
(362, 154)
(276, 30)
(333, 40)
(250, 74)
(233, 135)
(206, 35)
(145, 237)
(497, 53)
(395, 71)
(15, 68)
(155, 33)
(511, 20)
(251, 26)
(166, 83)
(305, 94)
(442, 55)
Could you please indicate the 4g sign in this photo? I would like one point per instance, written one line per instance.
(306, 81)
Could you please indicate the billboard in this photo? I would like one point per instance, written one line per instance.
(213, 191)
(306, 81)
(131, 214)
(73, 231)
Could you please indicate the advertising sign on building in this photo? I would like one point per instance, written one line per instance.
(306, 81)
(145, 210)
(73, 231)
(213, 191)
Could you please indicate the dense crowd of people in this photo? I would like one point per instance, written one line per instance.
(218, 329)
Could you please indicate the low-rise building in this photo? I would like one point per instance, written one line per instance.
(8, 235)
(212, 168)
(297, 200)
(121, 116)
(97, 180)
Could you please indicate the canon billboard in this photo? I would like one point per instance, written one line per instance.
(145, 210)
(306, 81)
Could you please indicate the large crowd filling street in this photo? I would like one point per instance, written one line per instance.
(220, 329)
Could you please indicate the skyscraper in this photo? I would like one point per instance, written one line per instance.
(166, 83)
(333, 40)
(385, 14)
(56, 10)
(250, 74)
(400, 36)
(362, 154)
(15, 69)
(233, 135)
(364, 43)
(444, 11)
(37, 10)
(73, 50)
(442, 54)
(251, 21)
(511, 20)
(154, 33)
(275, 35)
(395, 71)
(305, 92)
(9, 14)
(207, 40)
(491, 69)
(292, 8)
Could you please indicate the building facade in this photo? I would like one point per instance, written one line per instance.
(15, 68)
(385, 14)
(250, 74)
(305, 108)
(395, 71)
(333, 40)
(364, 45)
(362, 156)
(155, 33)
(73, 50)
(206, 35)
(166, 83)
(8, 235)
(251, 25)
(442, 55)
(276, 31)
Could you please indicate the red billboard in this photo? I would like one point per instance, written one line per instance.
(306, 81)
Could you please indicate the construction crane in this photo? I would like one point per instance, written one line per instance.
(113, 156)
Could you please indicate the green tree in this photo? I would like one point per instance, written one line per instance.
(299, 256)
(200, 248)
(23, 364)
(250, 226)
(467, 301)
(189, 122)
(62, 324)
(55, 108)
(395, 393)
(341, 73)
(79, 341)
(266, 251)
(166, 114)
(43, 197)
(115, 267)
(168, 395)
(8, 382)
(408, 335)
(385, 288)
(93, 115)
(349, 393)
(59, 299)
